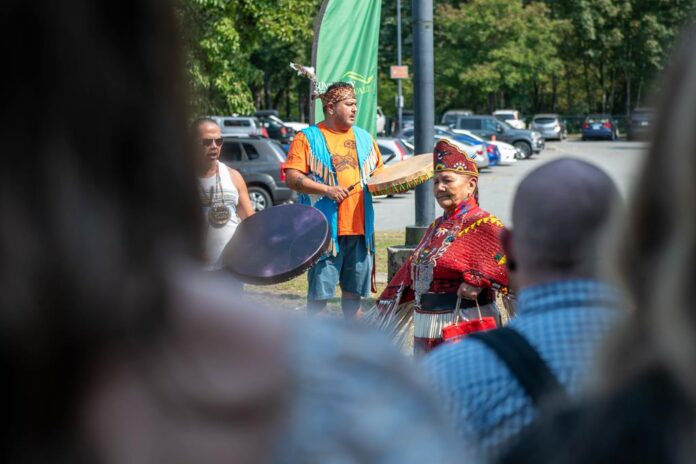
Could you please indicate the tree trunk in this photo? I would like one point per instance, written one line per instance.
(638, 93)
(628, 92)
(612, 91)
(554, 92)
(588, 93)
(570, 102)
(602, 79)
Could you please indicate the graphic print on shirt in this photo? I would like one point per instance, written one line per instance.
(347, 160)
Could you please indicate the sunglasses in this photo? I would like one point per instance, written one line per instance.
(209, 142)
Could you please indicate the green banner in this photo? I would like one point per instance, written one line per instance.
(345, 49)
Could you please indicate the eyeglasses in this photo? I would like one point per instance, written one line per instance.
(209, 142)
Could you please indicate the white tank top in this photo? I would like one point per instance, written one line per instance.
(216, 237)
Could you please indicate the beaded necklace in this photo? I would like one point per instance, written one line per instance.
(426, 255)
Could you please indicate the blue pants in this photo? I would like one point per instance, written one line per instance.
(351, 267)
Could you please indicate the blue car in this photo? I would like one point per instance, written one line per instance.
(600, 126)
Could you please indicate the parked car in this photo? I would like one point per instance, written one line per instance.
(476, 151)
(407, 119)
(550, 126)
(511, 117)
(507, 153)
(260, 161)
(240, 125)
(600, 126)
(450, 116)
(297, 126)
(490, 148)
(277, 129)
(640, 123)
(526, 141)
(381, 122)
(393, 150)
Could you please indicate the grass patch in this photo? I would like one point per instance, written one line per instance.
(294, 292)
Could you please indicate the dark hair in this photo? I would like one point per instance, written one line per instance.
(97, 200)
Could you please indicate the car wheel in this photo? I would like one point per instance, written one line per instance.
(260, 198)
(524, 148)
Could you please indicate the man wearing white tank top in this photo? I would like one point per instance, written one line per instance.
(223, 192)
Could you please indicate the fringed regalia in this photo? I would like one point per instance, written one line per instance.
(460, 247)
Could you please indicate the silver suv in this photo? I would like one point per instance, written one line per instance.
(240, 125)
(550, 126)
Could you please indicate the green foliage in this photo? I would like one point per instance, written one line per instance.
(224, 36)
(542, 55)
(491, 47)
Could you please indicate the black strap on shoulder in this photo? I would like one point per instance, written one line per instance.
(524, 362)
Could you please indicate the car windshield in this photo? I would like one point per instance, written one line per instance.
(597, 118)
(506, 125)
(544, 120)
(505, 117)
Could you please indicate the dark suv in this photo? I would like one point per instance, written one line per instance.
(526, 141)
(260, 161)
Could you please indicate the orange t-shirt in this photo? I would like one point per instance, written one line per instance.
(344, 156)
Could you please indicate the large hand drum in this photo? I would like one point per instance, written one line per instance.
(277, 244)
(402, 176)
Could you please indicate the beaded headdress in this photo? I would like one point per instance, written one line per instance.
(449, 157)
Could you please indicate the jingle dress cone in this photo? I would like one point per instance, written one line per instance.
(460, 246)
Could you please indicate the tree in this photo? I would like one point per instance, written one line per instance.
(222, 36)
(488, 50)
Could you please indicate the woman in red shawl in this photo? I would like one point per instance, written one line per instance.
(460, 255)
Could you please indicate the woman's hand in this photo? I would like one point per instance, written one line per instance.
(468, 291)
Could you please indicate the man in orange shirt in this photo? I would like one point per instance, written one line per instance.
(329, 164)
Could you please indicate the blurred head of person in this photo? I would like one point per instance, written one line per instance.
(560, 213)
(657, 244)
(97, 197)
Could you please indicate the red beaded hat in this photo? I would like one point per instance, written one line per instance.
(449, 157)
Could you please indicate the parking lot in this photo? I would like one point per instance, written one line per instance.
(620, 159)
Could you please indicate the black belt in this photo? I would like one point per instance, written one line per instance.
(448, 301)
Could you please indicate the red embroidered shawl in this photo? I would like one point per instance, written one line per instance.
(464, 246)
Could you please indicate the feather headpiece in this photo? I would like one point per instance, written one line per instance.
(309, 73)
(334, 94)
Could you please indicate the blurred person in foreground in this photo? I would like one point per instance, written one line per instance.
(459, 256)
(643, 409)
(563, 310)
(222, 189)
(116, 346)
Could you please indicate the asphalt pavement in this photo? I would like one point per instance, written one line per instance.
(497, 185)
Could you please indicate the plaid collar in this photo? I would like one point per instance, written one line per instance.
(564, 294)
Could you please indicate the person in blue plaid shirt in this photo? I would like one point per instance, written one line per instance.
(563, 310)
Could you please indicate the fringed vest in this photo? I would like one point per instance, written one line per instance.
(321, 169)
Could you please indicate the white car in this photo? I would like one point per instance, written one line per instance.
(512, 117)
(381, 121)
(508, 153)
(296, 126)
